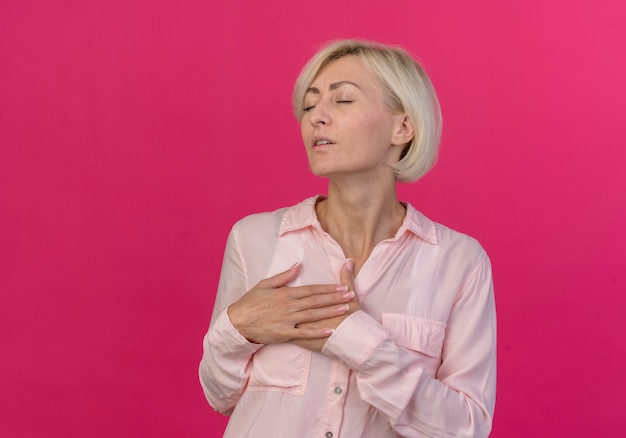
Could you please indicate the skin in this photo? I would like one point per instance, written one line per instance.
(351, 138)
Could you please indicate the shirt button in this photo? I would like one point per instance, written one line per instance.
(329, 435)
(338, 390)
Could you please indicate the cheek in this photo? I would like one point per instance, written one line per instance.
(305, 128)
(376, 129)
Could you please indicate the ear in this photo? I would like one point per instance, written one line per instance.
(403, 130)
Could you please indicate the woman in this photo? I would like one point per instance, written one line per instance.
(353, 315)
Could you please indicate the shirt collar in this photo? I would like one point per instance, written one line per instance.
(303, 215)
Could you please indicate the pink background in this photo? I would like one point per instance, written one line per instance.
(134, 133)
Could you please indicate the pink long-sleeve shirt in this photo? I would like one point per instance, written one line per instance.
(419, 359)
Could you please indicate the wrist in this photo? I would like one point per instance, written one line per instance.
(236, 323)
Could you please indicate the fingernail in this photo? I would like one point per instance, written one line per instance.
(348, 295)
(343, 308)
(328, 331)
(342, 289)
(294, 266)
(349, 265)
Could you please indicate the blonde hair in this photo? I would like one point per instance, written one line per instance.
(407, 89)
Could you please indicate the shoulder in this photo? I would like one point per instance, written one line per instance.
(461, 261)
(457, 241)
(260, 222)
(274, 223)
(447, 242)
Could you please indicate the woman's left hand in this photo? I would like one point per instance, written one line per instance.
(347, 279)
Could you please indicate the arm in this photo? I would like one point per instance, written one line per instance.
(268, 313)
(224, 368)
(459, 400)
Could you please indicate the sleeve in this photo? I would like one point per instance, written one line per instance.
(225, 365)
(459, 400)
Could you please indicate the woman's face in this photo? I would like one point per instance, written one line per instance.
(347, 128)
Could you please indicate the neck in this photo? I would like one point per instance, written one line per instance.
(359, 216)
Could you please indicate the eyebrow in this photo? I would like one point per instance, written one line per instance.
(332, 87)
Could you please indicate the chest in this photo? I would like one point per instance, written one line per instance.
(401, 276)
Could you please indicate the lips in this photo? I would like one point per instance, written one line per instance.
(321, 141)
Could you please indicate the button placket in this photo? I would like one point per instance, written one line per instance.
(335, 399)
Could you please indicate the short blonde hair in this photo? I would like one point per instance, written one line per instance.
(407, 89)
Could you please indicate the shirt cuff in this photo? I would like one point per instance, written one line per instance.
(226, 338)
(349, 345)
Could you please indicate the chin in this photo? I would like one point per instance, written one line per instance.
(324, 169)
(319, 173)
(318, 170)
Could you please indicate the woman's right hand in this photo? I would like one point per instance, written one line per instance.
(269, 312)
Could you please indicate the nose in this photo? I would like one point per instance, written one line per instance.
(319, 114)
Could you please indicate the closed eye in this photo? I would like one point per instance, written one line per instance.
(344, 101)
(308, 108)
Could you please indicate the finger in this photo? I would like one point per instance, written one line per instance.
(324, 313)
(312, 333)
(317, 290)
(281, 279)
(347, 275)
